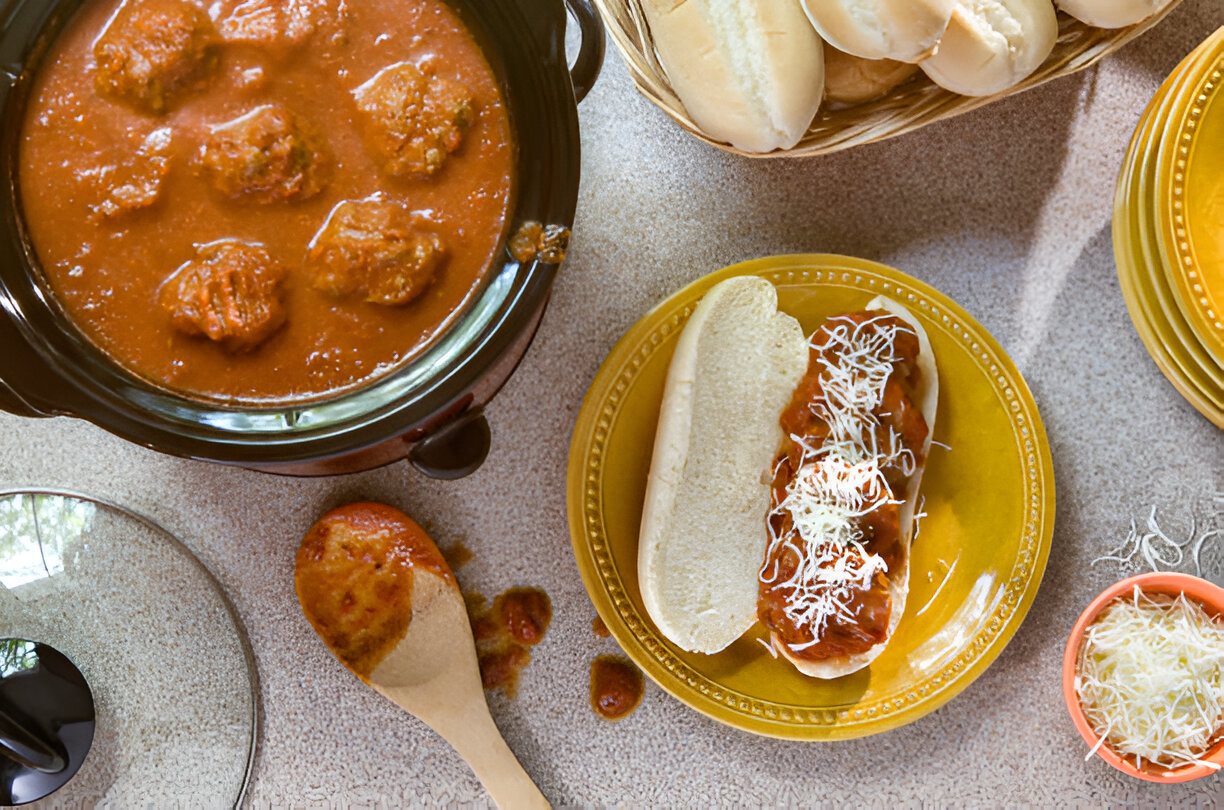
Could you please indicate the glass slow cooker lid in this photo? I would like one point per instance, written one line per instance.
(164, 654)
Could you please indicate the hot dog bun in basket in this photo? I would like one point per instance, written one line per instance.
(748, 73)
(854, 80)
(1112, 13)
(904, 30)
(991, 45)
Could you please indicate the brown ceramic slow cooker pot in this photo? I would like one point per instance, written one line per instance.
(429, 410)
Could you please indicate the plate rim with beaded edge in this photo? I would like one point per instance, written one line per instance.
(1000, 486)
(1157, 319)
(1176, 334)
(1185, 158)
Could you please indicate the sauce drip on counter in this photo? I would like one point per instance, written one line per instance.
(354, 577)
(457, 555)
(525, 613)
(616, 687)
(599, 628)
(852, 613)
(357, 156)
(517, 620)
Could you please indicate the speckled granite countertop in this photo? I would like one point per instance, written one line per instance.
(1006, 209)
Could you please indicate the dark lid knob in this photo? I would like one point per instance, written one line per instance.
(46, 720)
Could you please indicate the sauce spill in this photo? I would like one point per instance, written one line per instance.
(457, 554)
(599, 628)
(525, 613)
(517, 620)
(616, 687)
(354, 575)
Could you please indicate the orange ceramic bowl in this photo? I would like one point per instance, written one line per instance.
(1206, 594)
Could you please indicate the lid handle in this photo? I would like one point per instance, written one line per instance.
(46, 720)
(25, 748)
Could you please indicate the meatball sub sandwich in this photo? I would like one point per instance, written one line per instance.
(785, 478)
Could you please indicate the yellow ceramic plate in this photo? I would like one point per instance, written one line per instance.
(1171, 357)
(1158, 321)
(1165, 315)
(1190, 197)
(977, 562)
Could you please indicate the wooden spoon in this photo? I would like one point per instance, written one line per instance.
(382, 598)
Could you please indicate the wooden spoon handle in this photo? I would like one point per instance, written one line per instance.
(474, 735)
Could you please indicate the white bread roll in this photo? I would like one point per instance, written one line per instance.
(854, 80)
(904, 30)
(1112, 13)
(926, 398)
(749, 73)
(991, 45)
(703, 533)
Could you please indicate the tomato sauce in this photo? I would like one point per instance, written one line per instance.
(122, 175)
(616, 687)
(895, 422)
(354, 577)
(504, 632)
(525, 613)
(457, 555)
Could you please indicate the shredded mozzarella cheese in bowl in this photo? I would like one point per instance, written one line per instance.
(1148, 679)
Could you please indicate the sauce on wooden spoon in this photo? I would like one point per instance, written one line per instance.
(354, 577)
(383, 599)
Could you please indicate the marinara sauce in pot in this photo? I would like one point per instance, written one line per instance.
(309, 236)
(258, 152)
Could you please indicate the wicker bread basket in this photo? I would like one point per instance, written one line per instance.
(914, 104)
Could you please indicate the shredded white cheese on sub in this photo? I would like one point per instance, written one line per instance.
(1150, 678)
(840, 479)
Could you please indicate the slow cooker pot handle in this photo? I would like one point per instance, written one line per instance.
(454, 450)
(591, 50)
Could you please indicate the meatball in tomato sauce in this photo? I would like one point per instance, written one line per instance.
(154, 51)
(134, 183)
(412, 122)
(265, 156)
(230, 293)
(376, 249)
(278, 24)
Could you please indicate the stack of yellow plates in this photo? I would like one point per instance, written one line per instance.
(1168, 228)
